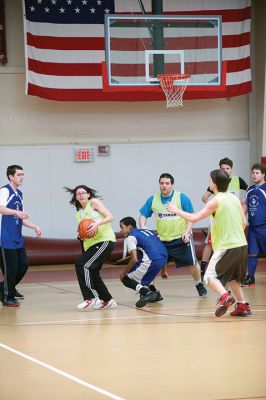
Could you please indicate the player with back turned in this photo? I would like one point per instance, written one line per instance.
(229, 260)
(238, 187)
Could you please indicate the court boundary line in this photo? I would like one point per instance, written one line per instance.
(245, 398)
(62, 373)
(171, 278)
(154, 315)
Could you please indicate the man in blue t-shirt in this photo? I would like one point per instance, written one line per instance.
(256, 208)
(142, 270)
(13, 257)
(174, 231)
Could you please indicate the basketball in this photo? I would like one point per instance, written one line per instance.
(84, 225)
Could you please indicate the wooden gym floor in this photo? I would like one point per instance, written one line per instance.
(174, 349)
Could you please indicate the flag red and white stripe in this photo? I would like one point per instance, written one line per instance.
(63, 60)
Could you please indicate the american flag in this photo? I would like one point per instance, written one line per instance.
(65, 46)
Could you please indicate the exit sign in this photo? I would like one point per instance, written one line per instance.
(83, 155)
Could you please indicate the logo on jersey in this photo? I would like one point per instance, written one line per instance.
(162, 215)
(253, 204)
(18, 208)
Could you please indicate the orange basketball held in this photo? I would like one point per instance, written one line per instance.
(84, 225)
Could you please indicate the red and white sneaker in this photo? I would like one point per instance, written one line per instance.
(241, 310)
(225, 301)
(86, 305)
(103, 305)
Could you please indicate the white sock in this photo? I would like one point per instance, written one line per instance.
(138, 287)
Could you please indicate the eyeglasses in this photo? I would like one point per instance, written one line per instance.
(81, 193)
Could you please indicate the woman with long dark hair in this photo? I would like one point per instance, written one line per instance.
(96, 248)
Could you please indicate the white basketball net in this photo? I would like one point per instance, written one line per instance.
(172, 89)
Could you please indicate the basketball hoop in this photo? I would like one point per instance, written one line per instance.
(174, 86)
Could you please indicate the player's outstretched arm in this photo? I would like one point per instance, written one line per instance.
(210, 207)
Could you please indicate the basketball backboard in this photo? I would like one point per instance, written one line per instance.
(140, 47)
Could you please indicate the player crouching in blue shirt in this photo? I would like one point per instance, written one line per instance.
(141, 271)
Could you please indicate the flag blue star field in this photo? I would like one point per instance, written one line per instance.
(65, 46)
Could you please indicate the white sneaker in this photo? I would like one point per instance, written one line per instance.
(86, 305)
(103, 305)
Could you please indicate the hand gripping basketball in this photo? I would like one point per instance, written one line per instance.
(83, 227)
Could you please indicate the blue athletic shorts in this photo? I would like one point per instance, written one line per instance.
(182, 253)
(145, 272)
(257, 240)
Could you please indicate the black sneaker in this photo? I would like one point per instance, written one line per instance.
(201, 289)
(146, 298)
(248, 282)
(159, 297)
(18, 295)
(152, 288)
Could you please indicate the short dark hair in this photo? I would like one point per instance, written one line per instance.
(11, 170)
(260, 167)
(221, 179)
(226, 161)
(167, 176)
(129, 221)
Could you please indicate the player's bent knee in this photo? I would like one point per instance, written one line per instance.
(207, 279)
